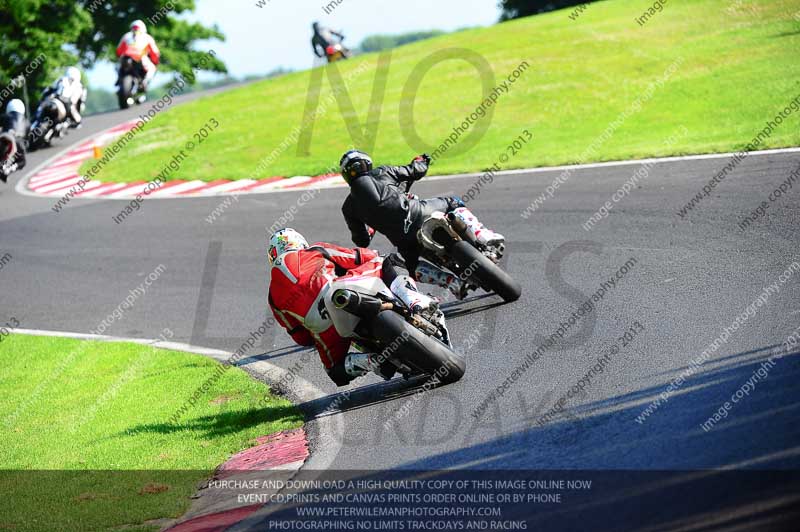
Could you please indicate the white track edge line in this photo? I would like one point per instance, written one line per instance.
(309, 390)
(329, 428)
(501, 173)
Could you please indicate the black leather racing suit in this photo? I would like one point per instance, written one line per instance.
(322, 39)
(378, 200)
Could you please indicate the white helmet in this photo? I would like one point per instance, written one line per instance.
(138, 25)
(73, 74)
(15, 106)
(284, 241)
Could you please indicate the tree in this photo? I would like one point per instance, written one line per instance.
(523, 8)
(34, 33)
(174, 36)
(42, 37)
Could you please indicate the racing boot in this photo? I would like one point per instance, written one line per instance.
(75, 119)
(477, 231)
(429, 273)
(406, 290)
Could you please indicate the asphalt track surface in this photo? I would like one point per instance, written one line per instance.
(691, 279)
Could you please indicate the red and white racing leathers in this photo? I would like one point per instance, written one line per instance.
(298, 283)
(142, 48)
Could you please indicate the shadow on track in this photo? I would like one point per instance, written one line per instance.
(665, 473)
(270, 355)
(457, 309)
(363, 397)
(760, 431)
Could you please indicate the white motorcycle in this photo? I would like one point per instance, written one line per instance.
(364, 309)
(445, 242)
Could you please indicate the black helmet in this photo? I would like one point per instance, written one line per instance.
(355, 163)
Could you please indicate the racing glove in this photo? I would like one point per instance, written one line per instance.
(424, 157)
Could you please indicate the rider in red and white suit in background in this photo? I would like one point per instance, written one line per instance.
(142, 48)
(299, 278)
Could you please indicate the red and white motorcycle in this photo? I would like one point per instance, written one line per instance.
(8, 156)
(337, 52)
(364, 309)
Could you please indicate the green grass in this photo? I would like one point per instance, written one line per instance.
(738, 71)
(86, 430)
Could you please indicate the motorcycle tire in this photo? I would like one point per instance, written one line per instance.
(36, 142)
(416, 349)
(489, 275)
(125, 91)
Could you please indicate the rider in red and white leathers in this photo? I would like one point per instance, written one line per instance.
(142, 48)
(299, 280)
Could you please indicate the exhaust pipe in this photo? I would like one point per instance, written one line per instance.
(460, 228)
(360, 305)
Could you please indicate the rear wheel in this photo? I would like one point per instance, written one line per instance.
(38, 136)
(418, 350)
(488, 274)
(125, 91)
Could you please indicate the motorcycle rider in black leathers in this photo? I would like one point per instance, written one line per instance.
(323, 37)
(377, 203)
(14, 123)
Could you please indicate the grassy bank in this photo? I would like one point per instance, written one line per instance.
(86, 426)
(732, 70)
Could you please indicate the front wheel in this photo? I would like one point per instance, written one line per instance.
(418, 350)
(488, 274)
(125, 91)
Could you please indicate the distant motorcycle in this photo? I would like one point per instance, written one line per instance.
(337, 52)
(8, 156)
(129, 83)
(49, 122)
(446, 242)
(364, 309)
